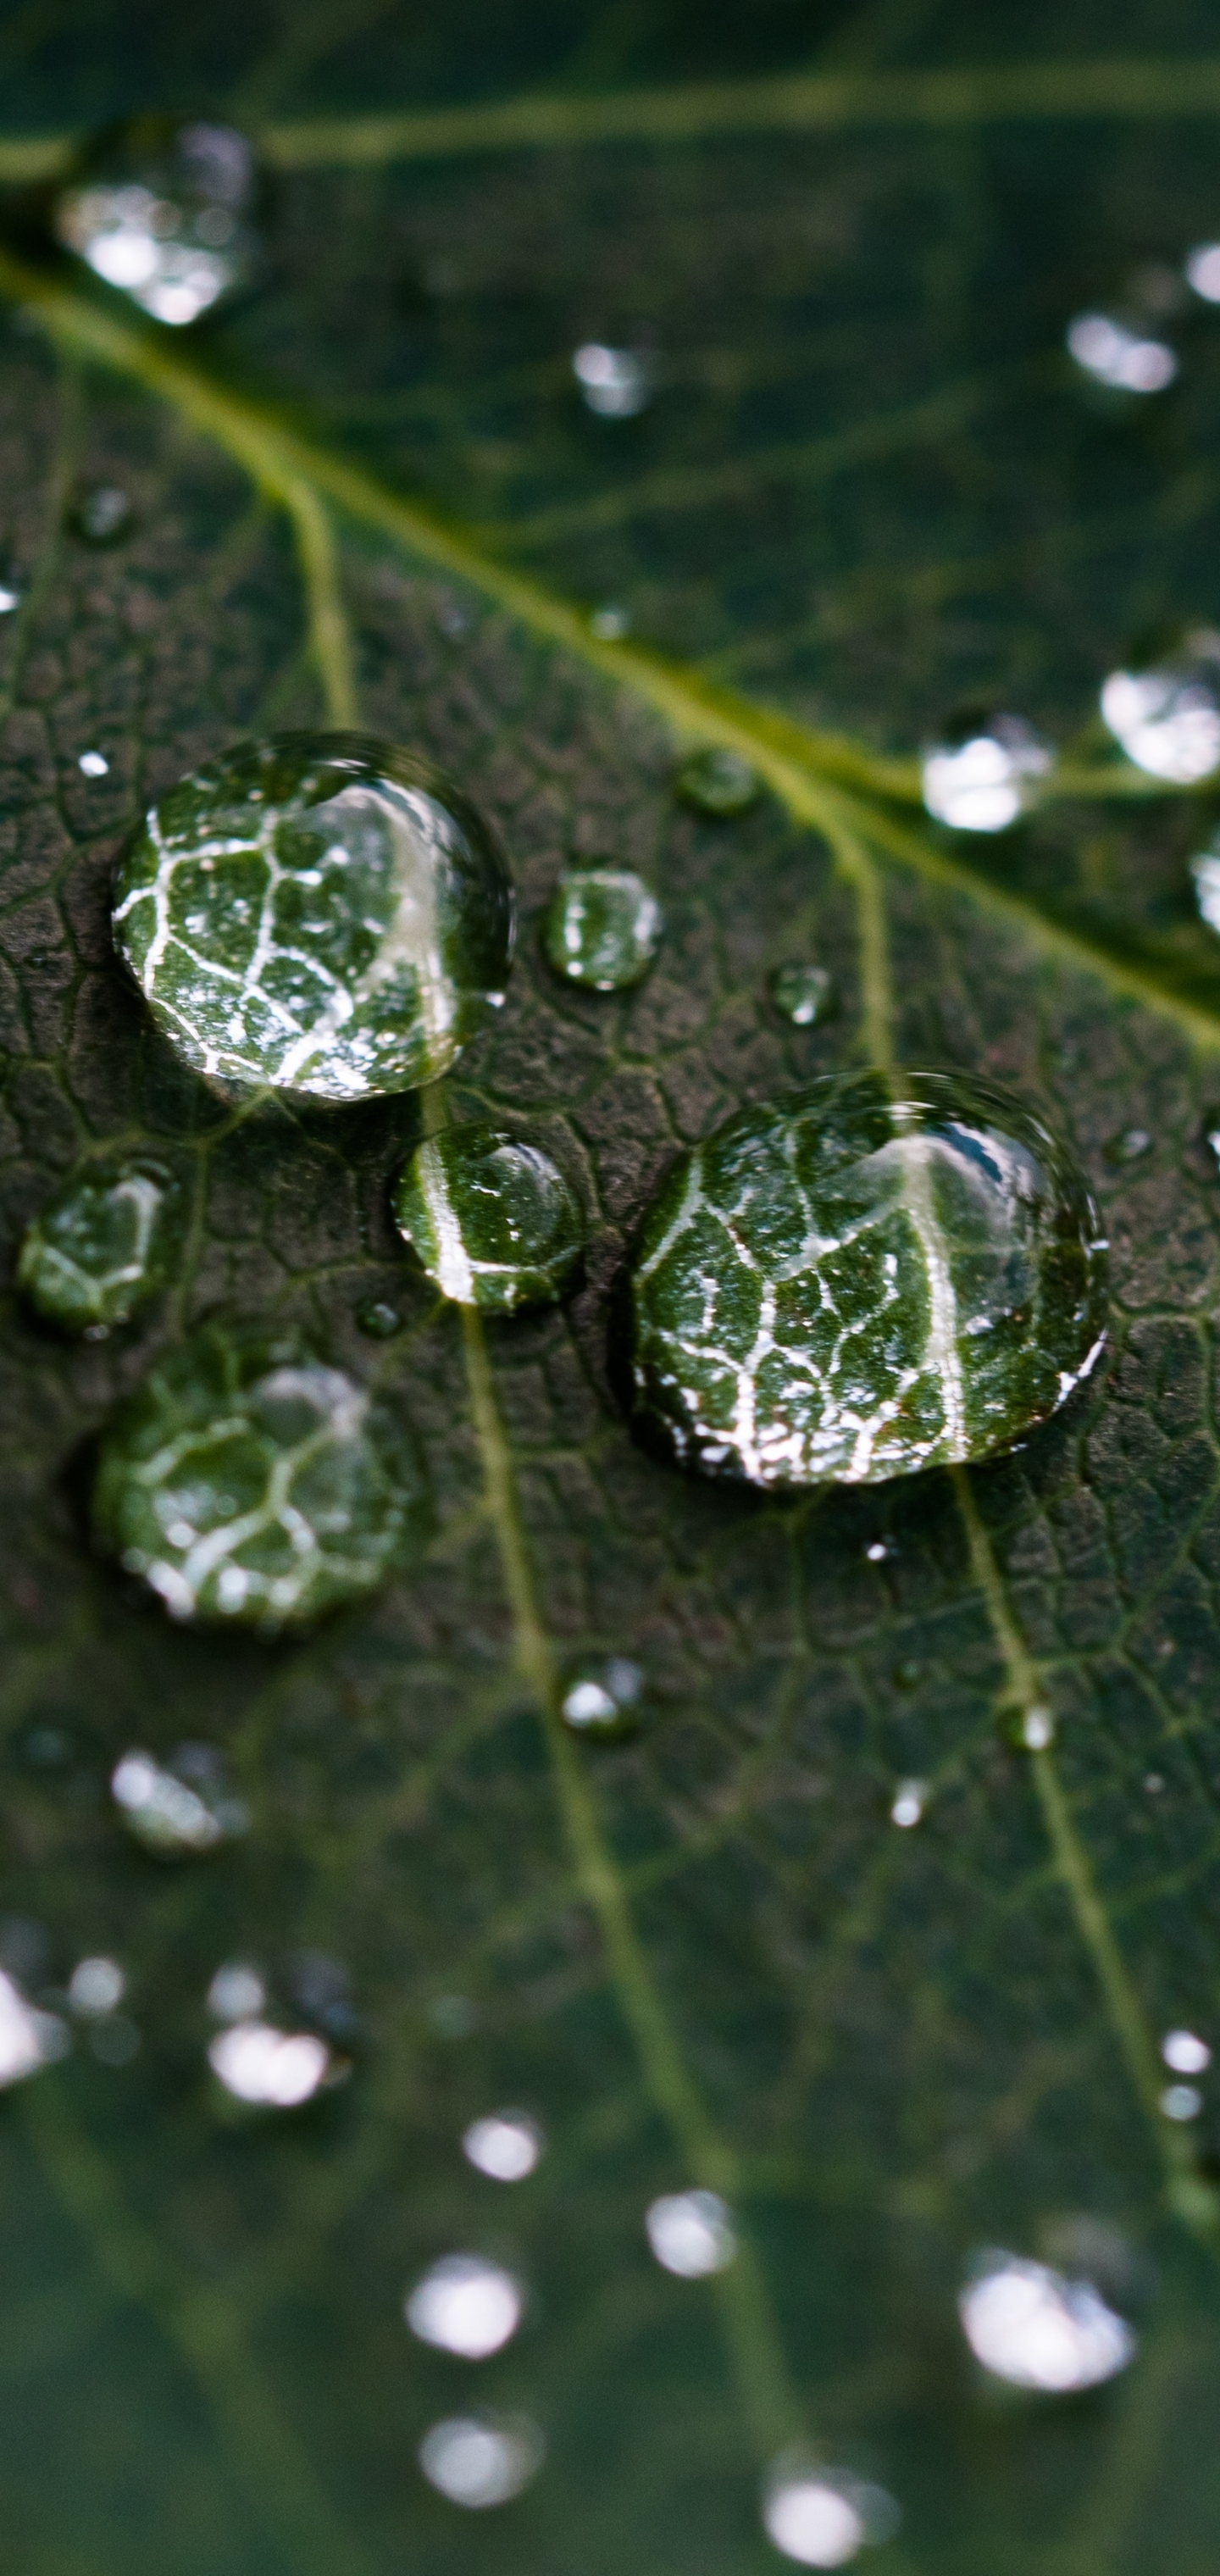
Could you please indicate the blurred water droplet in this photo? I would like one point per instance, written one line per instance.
(93, 764)
(1035, 1729)
(879, 1550)
(602, 1696)
(465, 2305)
(492, 1219)
(276, 2069)
(1185, 2052)
(96, 1986)
(103, 1247)
(482, 2460)
(379, 1319)
(910, 1800)
(615, 383)
(505, 2145)
(10, 597)
(983, 770)
(102, 514)
(1202, 271)
(179, 1808)
(803, 993)
(1029, 2325)
(602, 928)
(1205, 871)
(718, 782)
(610, 623)
(1123, 358)
(1164, 709)
(165, 210)
(29, 2039)
(1130, 1146)
(1153, 1784)
(1181, 2102)
(237, 1992)
(691, 2233)
(821, 2516)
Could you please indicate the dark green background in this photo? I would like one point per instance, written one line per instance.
(867, 484)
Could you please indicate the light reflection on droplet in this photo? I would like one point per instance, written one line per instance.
(236, 1993)
(603, 1697)
(9, 599)
(910, 1800)
(179, 1811)
(802, 992)
(1036, 2329)
(691, 2233)
(96, 1986)
(480, 2460)
(277, 2068)
(1205, 871)
(1124, 360)
(982, 772)
(465, 2305)
(506, 2145)
(614, 383)
(101, 514)
(28, 2039)
(1185, 2053)
(823, 2516)
(1036, 1729)
(611, 623)
(1202, 271)
(1181, 2102)
(1166, 713)
(93, 764)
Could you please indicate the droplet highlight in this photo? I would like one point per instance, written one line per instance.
(102, 514)
(1185, 2053)
(984, 770)
(603, 1696)
(803, 993)
(465, 2305)
(1121, 355)
(273, 2070)
(1202, 271)
(1205, 876)
(615, 384)
(492, 1219)
(505, 2145)
(320, 914)
(872, 1276)
(166, 211)
(181, 1807)
(1033, 2327)
(378, 1319)
(1164, 708)
(103, 1247)
(909, 1803)
(603, 928)
(691, 2233)
(481, 2460)
(29, 2039)
(93, 764)
(821, 2516)
(718, 782)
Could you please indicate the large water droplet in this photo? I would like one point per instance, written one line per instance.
(983, 770)
(603, 928)
(602, 1695)
(820, 2516)
(691, 2233)
(320, 913)
(873, 1275)
(1165, 708)
(1120, 354)
(102, 513)
(481, 2460)
(247, 1482)
(492, 1219)
(614, 383)
(165, 209)
(718, 782)
(275, 2070)
(102, 1247)
(802, 992)
(1029, 2325)
(180, 1807)
(465, 2305)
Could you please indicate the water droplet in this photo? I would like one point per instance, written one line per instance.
(1181, 2102)
(983, 770)
(820, 2516)
(101, 514)
(615, 383)
(102, 1247)
(610, 623)
(1120, 355)
(319, 913)
(179, 1807)
(491, 1218)
(870, 1276)
(166, 211)
(1035, 1729)
(248, 1483)
(1202, 271)
(277, 2069)
(465, 2305)
(803, 993)
(602, 1695)
(10, 596)
(481, 2460)
(378, 1319)
(1129, 1146)
(718, 782)
(603, 927)
(93, 764)
(237, 1992)
(878, 1551)
(691, 2233)
(1185, 2053)
(1205, 870)
(506, 2145)
(910, 1800)
(96, 1986)
(1153, 1784)
(1164, 708)
(1036, 2329)
(28, 2039)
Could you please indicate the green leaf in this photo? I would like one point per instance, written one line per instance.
(704, 1956)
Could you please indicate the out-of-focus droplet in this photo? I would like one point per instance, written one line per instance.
(237, 1992)
(1202, 271)
(248, 1483)
(93, 764)
(318, 914)
(617, 384)
(1129, 1146)
(165, 209)
(1165, 709)
(481, 2460)
(610, 623)
(603, 927)
(983, 770)
(1181, 2102)
(1035, 1729)
(691, 2233)
(821, 2516)
(602, 1696)
(96, 1986)
(10, 595)
(465, 2305)
(492, 1219)
(1033, 2327)
(376, 1317)
(1185, 2053)
(803, 993)
(910, 1800)
(717, 782)
(102, 513)
(1119, 355)
(103, 1247)
(505, 2145)
(29, 2039)
(276, 2069)
(179, 1808)
(1205, 872)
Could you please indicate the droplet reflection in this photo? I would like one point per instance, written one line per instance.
(823, 2516)
(614, 383)
(236, 1993)
(1125, 360)
(1036, 2329)
(95, 1986)
(691, 2233)
(480, 2460)
(1165, 711)
(1185, 2052)
(1205, 871)
(505, 2146)
(602, 1696)
(164, 211)
(1181, 2102)
(802, 992)
(982, 771)
(101, 514)
(177, 1809)
(276, 2069)
(1202, 271)
(465, 2305)
(910, 1800)
(93, 764)
(28, 2039)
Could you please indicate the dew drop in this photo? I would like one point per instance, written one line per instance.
(983, 770)
(1205, 872)
(101, 514)
(492, 1219)
(610, 623)
(1035, 1729)
(1119, 354)
(910, 1800)
(1033, 2327)
(95, 1987)
(806, 1290)
(603, 928)
(1181, 2102)
(29, 2039)
(166, 210)
(465, 2305)
(1185, 2053)
(318, 913)
(93, 764)
(376, 1317)
(1202, 271)
(821, 2516)
(103, 1247)
(181, 1807)
(602, 1696)
(251, 1485)
(1164, 708)
(10, 595)
(691, 2233)
(275, 2070)
(505, 2145)
(616, 384)
(803, 993)
(481, 2460)
(718, 782)
(1129, 1146)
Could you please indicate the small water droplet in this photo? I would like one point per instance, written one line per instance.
(179, 1807)
(102, 513)
(1164, 707)
(481, 2460)
(602, 1696)
(275, 2070)
(492, 1219)
(93, 764)
(803, 993)
(237, 1992)
(96, 1986)
(29, 2039)
(1130, 1146)
(1205, 871)
(465, 2305)
(378, 1319)
(249, 1484)
(505, 2145)
(909, 1803)
(617, 384)
(603, 927)
(103, 1247)
(1181, 2102)
(165, 210)
(1119, 354)
(1185, 2053)
(10, 595)
(1202, 271)
(878, 1550)
(756, 1353)
(1033, 2327)
(318, 913)
(1035, 1729)
(821, 2516)
(983, 770)
(718, 782)
(691, 2233)
(610, 623)
(1153, 1784)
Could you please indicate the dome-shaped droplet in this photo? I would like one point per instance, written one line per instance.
(102, 1247)
(802, 992)
(166, 210)
(492, 1218)
(603, 928)
(248, 1483)
(983, 770)
(321, 914)
(101, 513)
(1164, 708)
(376, 1317)
(873, 1275)
(717, 782)
(601, 1696)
